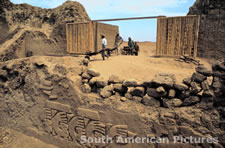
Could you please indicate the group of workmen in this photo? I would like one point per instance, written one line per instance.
(133, 46)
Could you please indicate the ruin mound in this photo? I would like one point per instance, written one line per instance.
(49, 22)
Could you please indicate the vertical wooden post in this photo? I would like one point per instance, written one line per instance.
(158, 42)
(67, 39)
(197, 35)
(91, 37)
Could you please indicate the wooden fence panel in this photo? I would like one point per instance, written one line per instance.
(177, 36)
(79, 37)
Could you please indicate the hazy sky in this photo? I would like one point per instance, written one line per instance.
(139, 30)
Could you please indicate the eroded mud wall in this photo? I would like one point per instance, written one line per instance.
(109, 31)
(50, 23)
(212, 27)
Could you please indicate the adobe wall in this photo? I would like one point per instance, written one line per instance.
(109, 31)
(212, 27)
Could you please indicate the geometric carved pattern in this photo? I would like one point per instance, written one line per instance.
(86, 123)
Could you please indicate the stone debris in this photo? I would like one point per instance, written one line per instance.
(86, 76)
(123, 99)
(93, 72)
(181, 87)
(172, 93)
(114, 79)
(130, 83)
(204, 71)
(166, 80)
(138, 91)
(160, 90)
(191, 100)
(150, 101)
(86, 88)
(197, 77)
(187, 81)
(171, 103)
(163, 90)
(120, 88)
(106, 92)
(152, 92)
(128, 96)
(101, 82)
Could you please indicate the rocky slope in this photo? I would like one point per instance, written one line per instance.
(49, 22)
(212, 27)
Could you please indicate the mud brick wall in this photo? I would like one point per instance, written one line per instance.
(212, 27)
(109, 31)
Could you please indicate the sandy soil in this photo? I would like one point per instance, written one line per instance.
(10, 138)
(144, 66)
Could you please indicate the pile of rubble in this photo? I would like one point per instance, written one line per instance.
(219, 82)
(204, 89)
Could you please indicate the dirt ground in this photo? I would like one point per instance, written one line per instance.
(144, 66)
(14, 139)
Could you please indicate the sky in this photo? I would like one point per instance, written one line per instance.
(138, 30)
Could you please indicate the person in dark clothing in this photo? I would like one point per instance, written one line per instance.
(131, 45)
(136, 49)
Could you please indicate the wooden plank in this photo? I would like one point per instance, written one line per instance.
(79, 37)
(91, 48)
(183, 36)
(67, 38)
(190, 35)
(186, 35)
(196, 37)
(170, 36)
(82, 36)
(162, 37)
(70, 42)
(73, 38)
(187, 16)
(179, 29)
(158, 37)
(160, 47)
(131, 18)
(175, 35)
